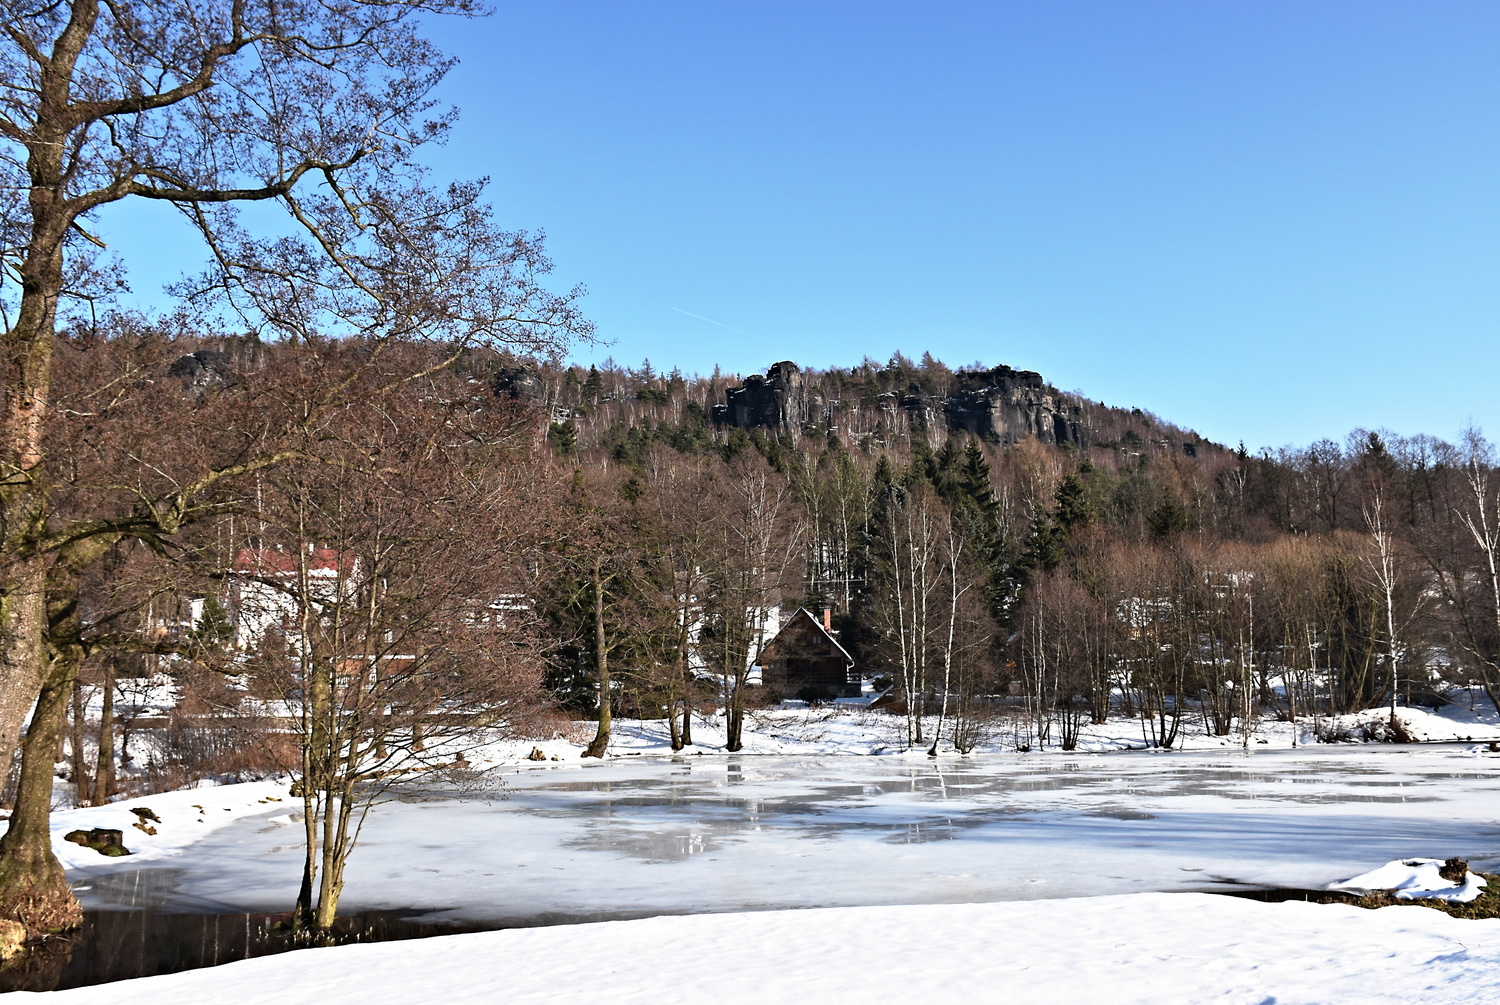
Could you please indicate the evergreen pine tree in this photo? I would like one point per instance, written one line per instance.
(213, 632)
(1072, 503)
(975, 481)
(593, 387)
(563, 438)
(1045, 540)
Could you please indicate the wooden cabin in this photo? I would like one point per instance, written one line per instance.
(804, 660)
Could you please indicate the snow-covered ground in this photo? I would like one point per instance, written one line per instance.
(1148, 948)
(852, 729)
(186, 818)
(848, 727)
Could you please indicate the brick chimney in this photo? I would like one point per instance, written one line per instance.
(827, 618)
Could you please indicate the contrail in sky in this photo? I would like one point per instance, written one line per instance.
(711, 321)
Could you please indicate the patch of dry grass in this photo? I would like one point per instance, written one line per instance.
(1486, 905)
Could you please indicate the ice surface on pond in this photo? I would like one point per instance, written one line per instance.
(639, 835)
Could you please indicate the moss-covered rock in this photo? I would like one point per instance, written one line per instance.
(103, 840)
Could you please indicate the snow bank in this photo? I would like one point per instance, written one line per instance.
(1414, 879)
(848, 728)
(184, 818)
(1138, 948)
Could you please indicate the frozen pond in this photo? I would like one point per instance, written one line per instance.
(641, 835)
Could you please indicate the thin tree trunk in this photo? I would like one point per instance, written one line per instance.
(684, 738)
(336, 803)
(314, 736)
(734, 727)
(1488, 541)
(901, 636)
(953, 593)
(601, 664)
(104, 764)
(82, 796)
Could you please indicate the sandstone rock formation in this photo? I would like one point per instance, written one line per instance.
(1006, 405)
(1001, 405)
(212, 368)
(777, 399)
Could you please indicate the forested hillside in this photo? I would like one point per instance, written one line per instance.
(1095, 551)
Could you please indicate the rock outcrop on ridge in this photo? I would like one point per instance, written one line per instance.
(1000, 405)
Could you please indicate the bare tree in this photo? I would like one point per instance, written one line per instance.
(681, 583)
(1297, 617)
(1398, 598)
(757, 542)
(908, 584)
(397, 598)
(1062, 651)
(595, 589)
(1480, 516)
(204, 106)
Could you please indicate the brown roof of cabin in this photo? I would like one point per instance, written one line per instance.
(802, 633)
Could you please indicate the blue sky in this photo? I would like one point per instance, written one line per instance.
(1271, 222)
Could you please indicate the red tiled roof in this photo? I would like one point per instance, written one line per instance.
(274, 562)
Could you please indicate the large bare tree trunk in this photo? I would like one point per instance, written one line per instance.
(33, 888)
(28, 379)
(22, 654)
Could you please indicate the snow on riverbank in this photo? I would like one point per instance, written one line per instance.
(847, 729)
(184, 818)
(1138, 948)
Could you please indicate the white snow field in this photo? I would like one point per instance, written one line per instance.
(1147, 948)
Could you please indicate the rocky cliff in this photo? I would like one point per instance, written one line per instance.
(1006, 405)
(777, 399)
(1001, 405)
(214, 367)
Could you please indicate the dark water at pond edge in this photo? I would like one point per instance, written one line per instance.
(138, 924)
(116, 945)
(120, 945)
